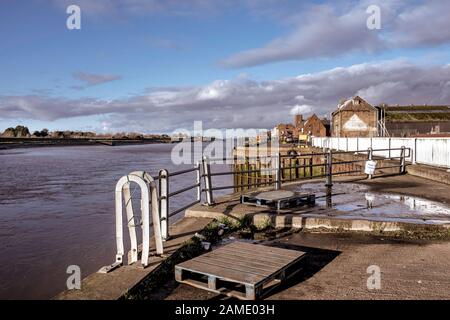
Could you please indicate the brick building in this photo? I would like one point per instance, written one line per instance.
(316, 127)
(313, 126)
(355, 118)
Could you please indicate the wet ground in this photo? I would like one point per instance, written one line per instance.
(365, 201)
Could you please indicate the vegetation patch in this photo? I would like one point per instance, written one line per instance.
(414, 232)
(192, 248)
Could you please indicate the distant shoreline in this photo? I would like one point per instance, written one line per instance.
(14, 143)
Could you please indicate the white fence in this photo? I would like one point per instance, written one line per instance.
(430, 151)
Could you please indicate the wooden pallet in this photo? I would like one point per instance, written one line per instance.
(241, 270)
(279, 199)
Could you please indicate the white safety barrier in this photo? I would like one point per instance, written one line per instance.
(148, 191)
(429, 151)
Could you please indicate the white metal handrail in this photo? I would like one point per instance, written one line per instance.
(148, 189)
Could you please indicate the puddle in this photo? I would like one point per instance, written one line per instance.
(355, 200)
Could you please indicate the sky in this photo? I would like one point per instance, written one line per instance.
(156, 66)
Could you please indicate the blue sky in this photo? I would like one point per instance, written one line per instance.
(155, 66)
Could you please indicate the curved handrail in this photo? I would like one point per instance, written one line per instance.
(148, 190)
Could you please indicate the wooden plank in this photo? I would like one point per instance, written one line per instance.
(271, 250)
(225, 261)
(221, 273)
(230, 256)
(236, 265)
(261, 257)
(240, 269)
(263, 250)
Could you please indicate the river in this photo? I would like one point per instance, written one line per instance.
(57, 209)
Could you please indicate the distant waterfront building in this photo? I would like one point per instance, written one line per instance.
(357, 118)
(313, 126)
(317, 127)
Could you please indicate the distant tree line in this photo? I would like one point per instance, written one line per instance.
(23, 132)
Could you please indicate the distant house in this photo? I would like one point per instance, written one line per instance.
(313, 126)
(285, 132)
(317, 127)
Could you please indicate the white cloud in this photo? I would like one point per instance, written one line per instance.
(245, 103)
(329, 30)
(301, 109)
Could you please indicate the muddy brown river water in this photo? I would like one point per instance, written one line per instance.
(57, 209)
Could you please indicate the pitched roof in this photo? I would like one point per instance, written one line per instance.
(314, 116)
(354, 104)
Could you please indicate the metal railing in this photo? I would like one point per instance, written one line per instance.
(157, 196)
(207, 175)
(165, 195)
(278, 168)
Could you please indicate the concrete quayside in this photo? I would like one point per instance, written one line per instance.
(387, 221)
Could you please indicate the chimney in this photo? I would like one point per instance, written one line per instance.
(298, 121)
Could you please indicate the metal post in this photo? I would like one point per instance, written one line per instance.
(208, 183)
(370, 158)
(198, 181)
(329, 164)
(402, 160)
(131, 221)
(414, 155)
(157, 230)
(278, 172)
(389, 139)
(164, 203)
